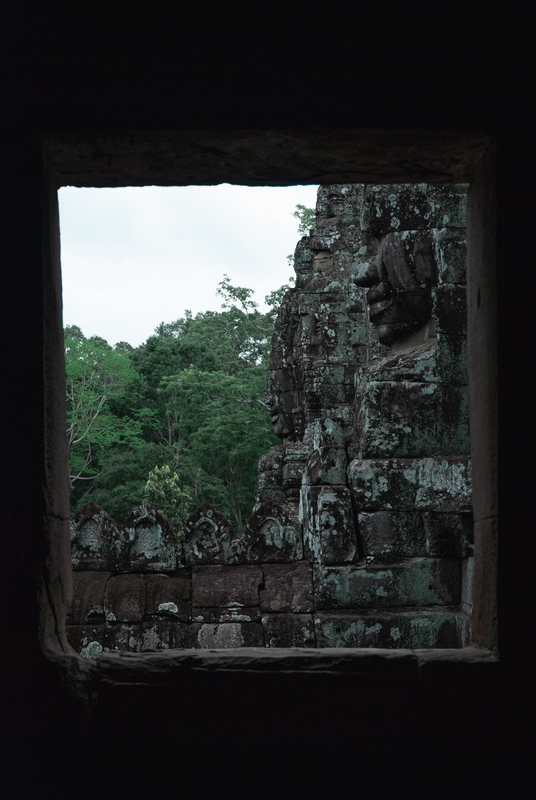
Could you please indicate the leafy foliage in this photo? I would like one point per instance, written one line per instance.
(179, 419)
(307, 220)
(306, 217)
(96, 374)
(164, 492)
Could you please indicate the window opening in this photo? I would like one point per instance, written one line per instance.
(361, 533)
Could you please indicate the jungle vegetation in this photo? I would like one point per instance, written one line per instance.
(179, 419)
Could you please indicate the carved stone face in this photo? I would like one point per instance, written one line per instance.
(330, 201)
(401, 302)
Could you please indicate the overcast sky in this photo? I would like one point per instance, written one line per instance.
(134, 257)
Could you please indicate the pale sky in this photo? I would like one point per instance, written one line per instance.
(134, 257)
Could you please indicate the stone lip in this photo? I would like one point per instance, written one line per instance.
(366, 663)
(117, 667)
(359, 155)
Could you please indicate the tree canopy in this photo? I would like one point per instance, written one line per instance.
(189, 400)
(179, 419)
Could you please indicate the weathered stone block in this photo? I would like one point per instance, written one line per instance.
(331, 332)
(225, 586)
(417, 365)
(232, 614)
(410, 630)
(412, 582)
(303, 256)
(155, 635)
(296, 452)
(467, 584)
(328, 375)
(441, 359)
(206, 536)
(328, 432)
(271, 494)
(363, 270)
(408, 207)
(87, 605)
(328, 524)
(283, 382)
(383, 483)
(122, 637)
(327, 465)
(393, 534)
(271, 536)
(429, 484)
(293, 473)
(226, 635)
(179, 635)
(450, 308)
(272, 460)
(465, 630)
(97, 542)
(319, 396)
(451, 358)
(287, 587)
(448, 534)
(288, 630)
(403, 419)
(444, 484)
(169, 596)
(87, 640)
(153, 546)
(124, 598)
(451, 255)
(271, 477)
(344, 412)
(328, 385)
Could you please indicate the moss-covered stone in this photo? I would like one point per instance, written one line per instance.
(412, 582)
(406, 419)
(429, 484)
(412, 630)
(328, 524)
(392, 534)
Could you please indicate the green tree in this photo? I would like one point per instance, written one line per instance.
(306, 217)
(220, 426)
(164, 492)
(95, 375)
(120, 483)
(193, 396)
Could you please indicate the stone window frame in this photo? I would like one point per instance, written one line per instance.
(279, 158)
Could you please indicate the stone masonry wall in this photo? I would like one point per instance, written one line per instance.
(361, 534)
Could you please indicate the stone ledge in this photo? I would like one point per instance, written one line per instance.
(370, 663)
(470, 664)
(267, 157)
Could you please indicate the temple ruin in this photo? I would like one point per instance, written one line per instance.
(361, 533)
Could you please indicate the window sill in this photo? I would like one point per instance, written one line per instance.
(168, 666)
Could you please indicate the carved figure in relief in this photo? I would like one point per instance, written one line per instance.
(401, 302)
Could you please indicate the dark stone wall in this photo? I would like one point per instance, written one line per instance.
(162, 67)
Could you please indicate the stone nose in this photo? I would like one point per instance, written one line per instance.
(379, 297)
